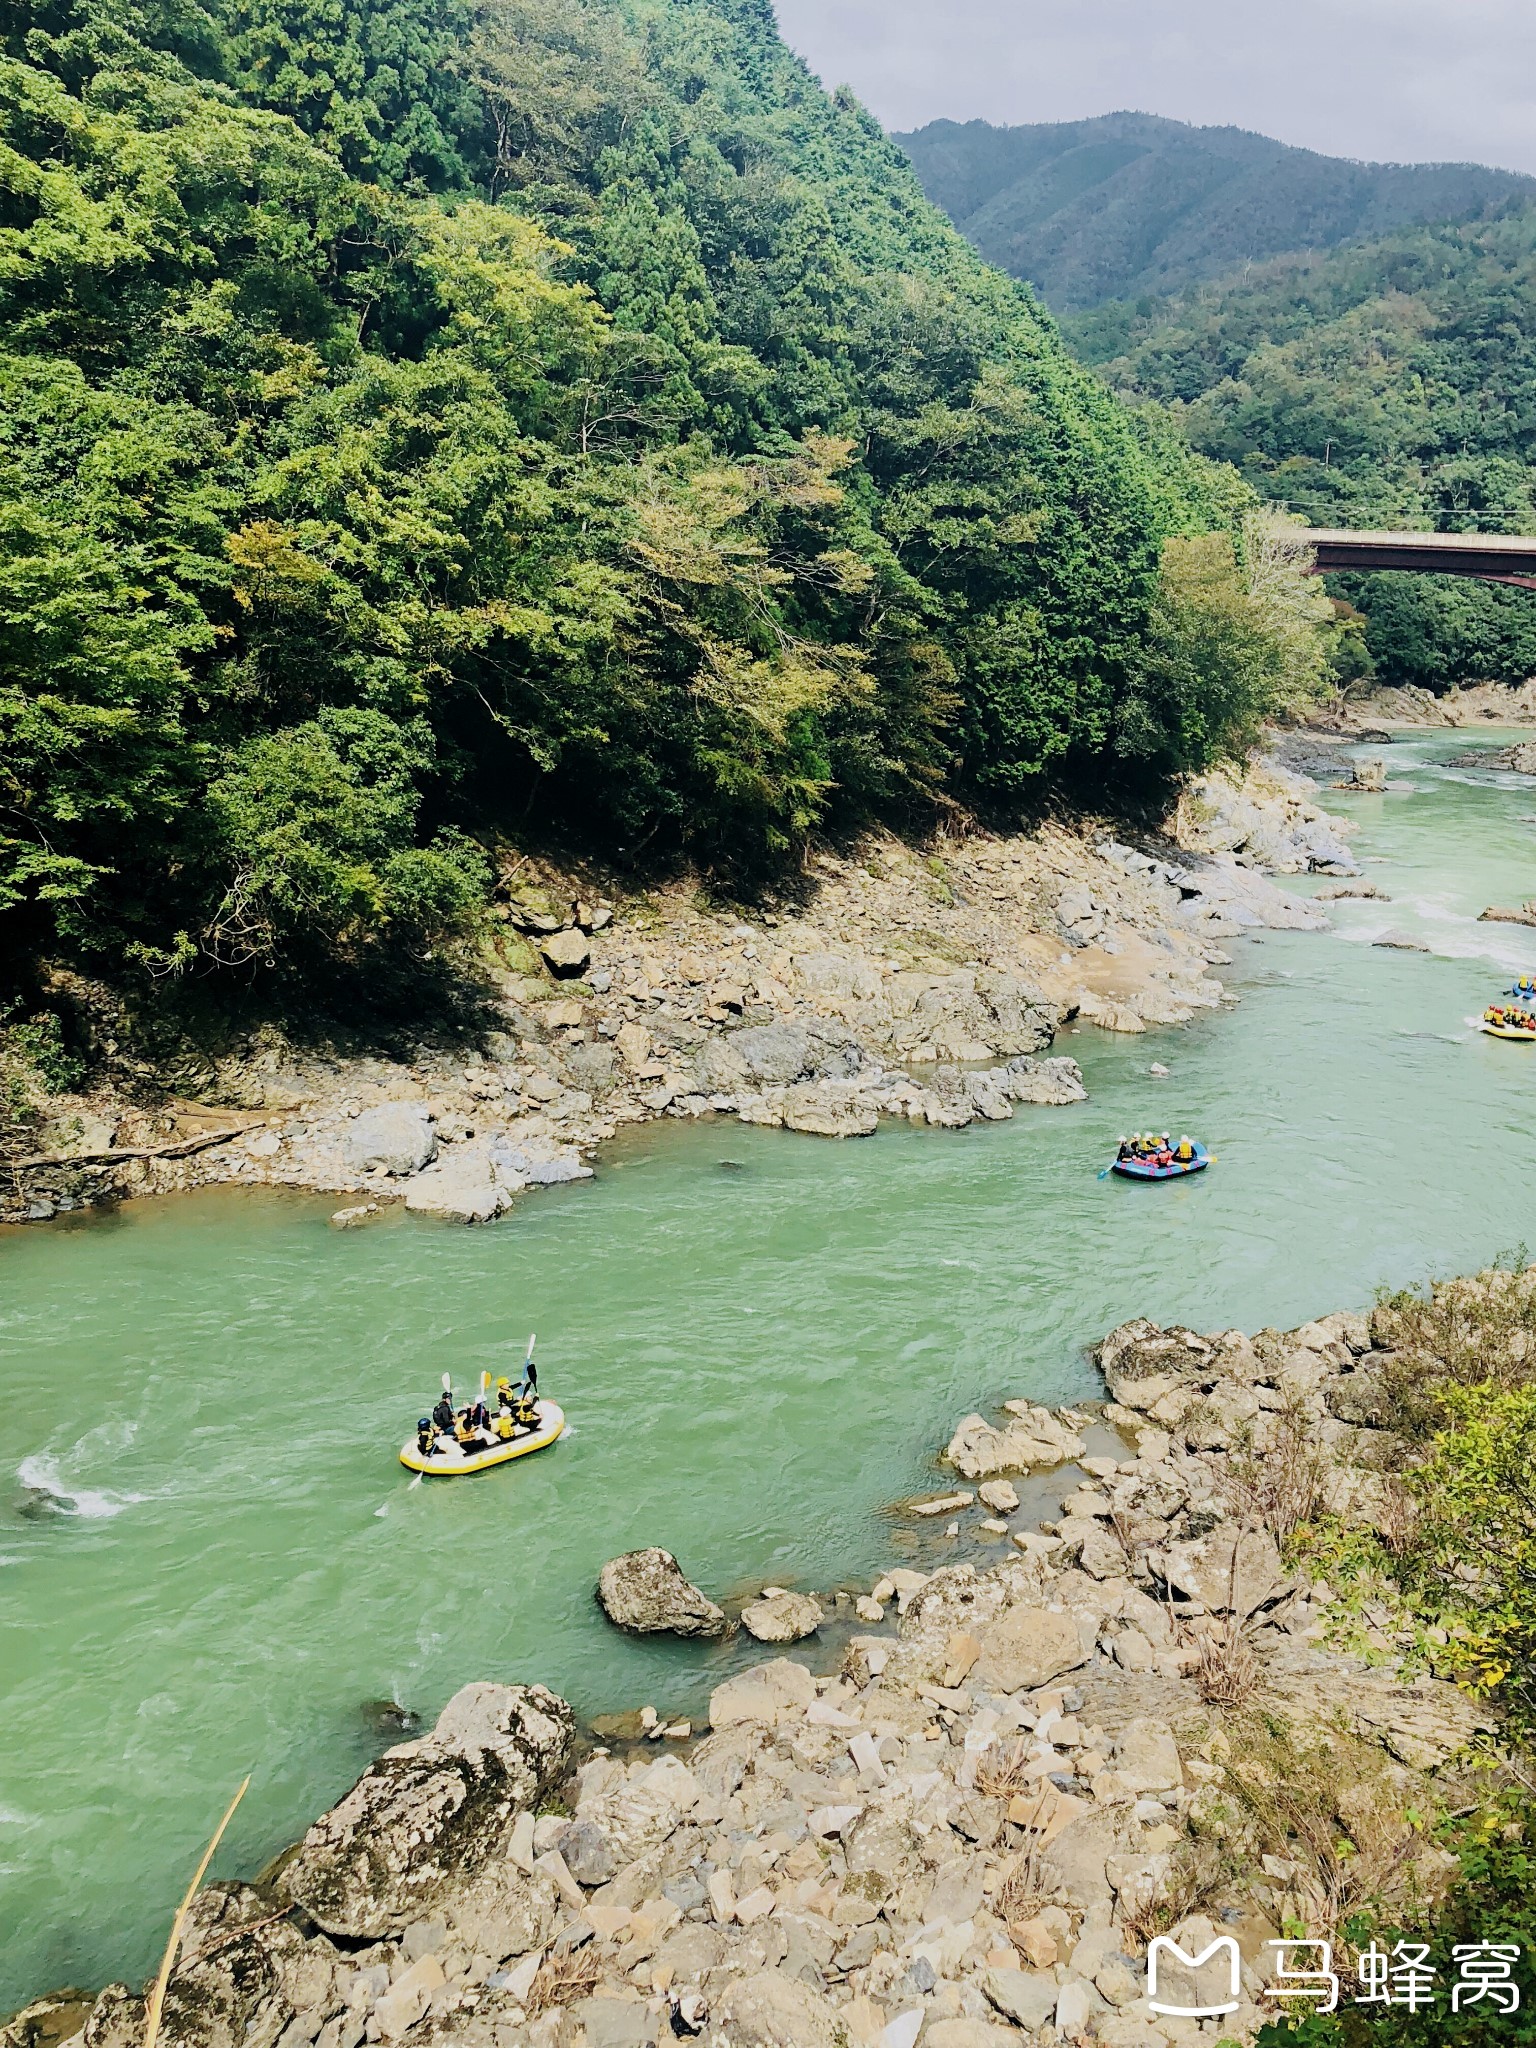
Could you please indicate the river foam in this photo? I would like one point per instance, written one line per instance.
(42, 1475)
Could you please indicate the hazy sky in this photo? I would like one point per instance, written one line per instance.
(1403, 80)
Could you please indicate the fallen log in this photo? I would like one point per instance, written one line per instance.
(179, 1148)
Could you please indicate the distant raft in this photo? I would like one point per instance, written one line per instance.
(449, 1460)
(1148, 1169)
(1515, 1024)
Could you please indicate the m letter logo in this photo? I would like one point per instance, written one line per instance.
(1165, 1947)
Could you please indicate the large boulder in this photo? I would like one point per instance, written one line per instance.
(645, 1592)
(721, 1068)
(782, 1617)
(1027, 1997)
(430, 1813)
(566, 953)
(1143, 1363)
(770, 2010)
(1054, 1082)
(767, 1696)
(1321, 848)
(240, 1979)
(1074, 1863)
(476, 1181)
(527, 1159)
(827, 1111)
(1029, 1646)
(1230, 1570)
(463, 1187)
(397, 1136)
(1147, 1757)
(1034, 1437)
(774, 1054)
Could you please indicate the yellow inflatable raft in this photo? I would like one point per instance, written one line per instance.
(1520, 1032)
(448, 1461)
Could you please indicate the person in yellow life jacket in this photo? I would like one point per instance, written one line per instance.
(1185, 1153)
(504, 1425)
(504, 1397)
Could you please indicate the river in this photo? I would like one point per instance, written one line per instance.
(210, 1563)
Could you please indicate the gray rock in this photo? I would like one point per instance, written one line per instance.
(397, 1136)
(230, 1986)
(593, 1068)
(721, 1068)
(618, 2023)
(1147, 1757)
(979, 1450)
(566, 953)
(782, 1617)
(1028, 1997)
(536, 1162)
(645, 1592)
(1075, 1861)
(1322, 849)
(430, 1813)
(828, 1113)
(462, 1187)
(768, 1696)
(589, 1855)
(1358, 1397)
(964, 2032)
(1230, 1570)
(1055, 1082)
(1029, 1646)
(882, 1840)
(771, 2011)
(774, 1054)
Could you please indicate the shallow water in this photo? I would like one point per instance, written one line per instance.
(211, 1564)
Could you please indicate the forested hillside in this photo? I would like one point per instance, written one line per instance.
(1131, 203)
(425, 426)
(1393, 384)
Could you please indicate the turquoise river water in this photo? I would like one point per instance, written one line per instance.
(210, 1563)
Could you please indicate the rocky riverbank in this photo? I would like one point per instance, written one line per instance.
(1473, 705)
(1134, 1722)
(908, 984)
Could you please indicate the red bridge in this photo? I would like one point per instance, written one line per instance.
(1494, 557)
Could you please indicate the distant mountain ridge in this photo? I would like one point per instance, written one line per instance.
(1127, 204)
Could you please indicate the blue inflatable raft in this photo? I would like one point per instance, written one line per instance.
(1147, 1169)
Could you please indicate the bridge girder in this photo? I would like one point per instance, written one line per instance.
(1491, 558)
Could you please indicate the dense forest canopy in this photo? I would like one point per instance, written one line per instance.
(421, 425)
(1125, 204)
(1390, 384)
